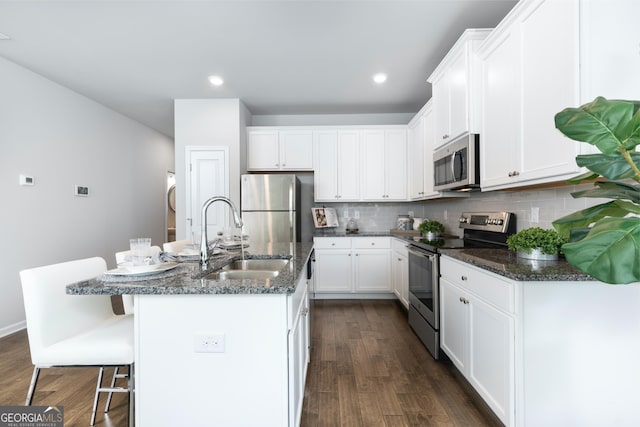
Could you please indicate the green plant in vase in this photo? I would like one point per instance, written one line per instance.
(536, 243)
(431, 229)
(604, 240)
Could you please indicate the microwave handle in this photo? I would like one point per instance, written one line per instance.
(453, 165)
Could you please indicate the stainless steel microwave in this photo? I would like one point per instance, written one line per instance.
(456, 166)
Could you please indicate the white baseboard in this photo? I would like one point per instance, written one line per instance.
(8, 330)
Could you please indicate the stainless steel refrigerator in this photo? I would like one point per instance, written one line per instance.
(270, 205)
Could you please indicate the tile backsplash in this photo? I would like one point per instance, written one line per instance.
(552, 203)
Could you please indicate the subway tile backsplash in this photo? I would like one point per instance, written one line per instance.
(553, 203)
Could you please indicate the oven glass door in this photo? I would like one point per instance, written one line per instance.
(423, 283)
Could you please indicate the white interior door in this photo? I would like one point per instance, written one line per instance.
(207, 171)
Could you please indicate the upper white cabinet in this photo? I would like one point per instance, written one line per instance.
(456, 90)
(384, 164)
(337, 171)
(541, 59)
(278, 149)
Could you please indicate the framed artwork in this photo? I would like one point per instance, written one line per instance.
(324, 217)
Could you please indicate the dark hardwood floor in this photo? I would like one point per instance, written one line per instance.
(367, 369)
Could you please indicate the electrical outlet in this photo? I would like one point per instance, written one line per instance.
(410, 214)
(80, 190)
(535, 215)
(346, 213)
(445, 214)
(208, 343)
(357, 215)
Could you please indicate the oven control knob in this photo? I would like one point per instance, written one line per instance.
(462, 219)
(500, 221)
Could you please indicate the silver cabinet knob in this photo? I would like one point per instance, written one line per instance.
(463, 277)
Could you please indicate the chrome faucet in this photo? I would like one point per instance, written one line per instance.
(204, 245)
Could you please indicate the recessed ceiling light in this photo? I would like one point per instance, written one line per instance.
(380, 78)
(216, 80)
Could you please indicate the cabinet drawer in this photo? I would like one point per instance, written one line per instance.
(485, 285)
(332, 242)
(372, 243)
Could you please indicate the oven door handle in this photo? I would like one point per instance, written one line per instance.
(430, 256)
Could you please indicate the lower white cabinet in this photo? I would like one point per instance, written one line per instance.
(477, 333)
(400, 271)
(543, 353)
(352, 264)
(299, 351)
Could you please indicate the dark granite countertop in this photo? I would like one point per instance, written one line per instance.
(506, 263)
(186, 278)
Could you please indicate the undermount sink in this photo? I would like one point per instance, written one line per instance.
(257, 264)
(244, 274)
(254, 269)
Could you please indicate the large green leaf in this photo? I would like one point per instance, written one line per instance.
(603, 123)
(631, 132)
(587, 176)
(585, 217)
(610, 167)
(610, 252)
(611, 190)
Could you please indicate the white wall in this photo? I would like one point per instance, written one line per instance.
(209, 122)
(61, 139)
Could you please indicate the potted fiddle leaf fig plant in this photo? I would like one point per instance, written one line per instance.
(604, 240)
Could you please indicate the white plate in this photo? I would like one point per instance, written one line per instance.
(139, 270)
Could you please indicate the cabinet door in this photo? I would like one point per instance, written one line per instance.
(500, 128)
(491, 357)
(333, 271)
(550, 66)
(373, 165)
(296, 150)
(263, 150)
(428, 154)
(400, 277)
(348, 165)
(441, 103)
(395, 170)
(416, 160)
(458, 94)
(297, 364)
(326, 165)
(453, 324)
(372, 270)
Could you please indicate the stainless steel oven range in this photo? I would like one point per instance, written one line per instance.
(481, 230)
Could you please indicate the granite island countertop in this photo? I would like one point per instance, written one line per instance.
(507, 264)
(187, 277)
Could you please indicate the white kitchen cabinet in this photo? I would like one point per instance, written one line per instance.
(337, 161)
(400, 271)
(535, 351)
(384, 155)
(352, 265)
(455, 89)
(278, 149)
(477, 332)
(541, 59)
(417, 157)
(299, 341)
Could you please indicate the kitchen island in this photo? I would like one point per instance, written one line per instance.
(219, 352)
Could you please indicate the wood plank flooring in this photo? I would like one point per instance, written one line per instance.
(367, 369)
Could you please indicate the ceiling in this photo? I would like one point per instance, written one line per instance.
(278, 57)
